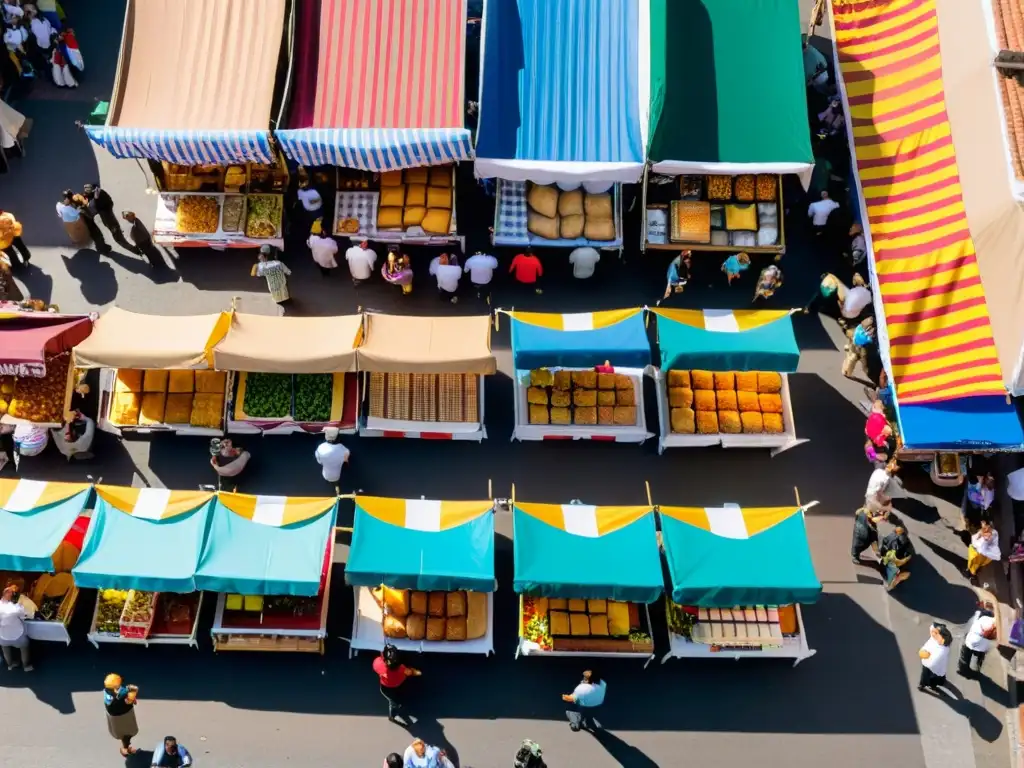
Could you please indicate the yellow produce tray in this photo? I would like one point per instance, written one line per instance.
(337, 398)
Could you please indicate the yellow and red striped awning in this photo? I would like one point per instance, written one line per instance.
(940, 337)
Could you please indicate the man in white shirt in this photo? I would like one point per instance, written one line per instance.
(12, 629)
(583, 261)
(332, 455)
(857, 299)
(361, 260)
(877, 497)
(324, 249)
(309, 197)
(934, 656)
(447, 275)
(980, 638)
(818, 212)
(43, 31)
(480, 267)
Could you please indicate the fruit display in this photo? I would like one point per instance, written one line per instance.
(197, 214)
(138, 608)
(575, 624)
(233, 213)
(298, 607)
(40, 399)
(268, 395)
(730, 402)
(434, 616)
(110, 606)
(583, 398)
(263, 219)
(680, 618)
(535, 622)
(314, 393)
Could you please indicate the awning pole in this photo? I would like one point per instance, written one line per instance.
(647, 486)
(796, 492)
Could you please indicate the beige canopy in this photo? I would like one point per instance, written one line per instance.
(122, 339)
(404, 344)
(274, 344)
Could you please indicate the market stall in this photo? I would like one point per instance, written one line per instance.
(557, 393)
(41, 530)
(392, 124)
(36, 375)
(290, 375)
(585, 576)
(422, 573)
(270, 559)
(155, 375)
(561, 124)
(424, 376)
(201, 114)
(723, 378)
(721, 136)
(739, 577)
(141, 555)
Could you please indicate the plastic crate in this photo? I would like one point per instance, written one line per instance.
(138, 630)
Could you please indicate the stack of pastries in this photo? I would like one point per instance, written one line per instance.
(731, 402)
(581, 397)
(453, 616)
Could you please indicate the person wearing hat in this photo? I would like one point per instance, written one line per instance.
(323, 248)
(979, 641)
(331, 455)
(119, 701)
(275, 272)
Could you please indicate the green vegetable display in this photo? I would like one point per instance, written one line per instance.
(313, 393)
(268, 395)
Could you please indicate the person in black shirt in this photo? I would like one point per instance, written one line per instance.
(865, 533)
(143, 240)
(895, 551)
(119, 701)
(101, 205)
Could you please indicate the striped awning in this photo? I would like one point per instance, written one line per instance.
(390, 88)
(275, 511)
(20, 495)
(185, 147)
(936, 319)
(152, 503)
(575, 321)
(35, 517)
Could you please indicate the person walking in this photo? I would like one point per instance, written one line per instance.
(865, 533)
(332, 455)
(393, 674)
(275, 273)
(527, 269)
(447, 275)
(323, 248)
(119, 701)
(585, 698)
(361, 261)
(981, 636)
(88, 219)
(895, 552)
(10, 239)
(934, 655)
(12, 629)
(878, 496)
(859, 341)
(584, 260)
(170, 754)
(480, 267)
(143, 240)
(101, 206)
(419, 754)
(984, 548)
(71, 216)
(819, 211)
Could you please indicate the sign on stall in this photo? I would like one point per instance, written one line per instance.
(36, 370)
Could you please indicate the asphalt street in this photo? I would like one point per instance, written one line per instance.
(855, 701)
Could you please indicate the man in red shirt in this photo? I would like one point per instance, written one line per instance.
(527, 268)
(392, 673)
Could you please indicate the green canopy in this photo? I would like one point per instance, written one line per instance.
(727, 88)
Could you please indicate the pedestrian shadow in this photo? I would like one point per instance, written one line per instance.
(140, 265)
(916, 509)
(988, 727)
(927, 592)
(38, 284)
(624, 754)
(432, 733)
(96, 278)
(141, 759)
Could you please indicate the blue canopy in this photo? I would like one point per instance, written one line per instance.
(35, 516)
(560, 95)
(963, 424)
(580, 340)
(266, 545)
(376, 149)
(185, 147)
(727, 340)
(422, 544)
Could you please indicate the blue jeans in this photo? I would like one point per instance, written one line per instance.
(891, 571)
(582, 717)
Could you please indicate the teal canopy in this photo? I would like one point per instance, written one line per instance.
(392, 545)
(34, 519)
(266, 545)
(581, 551)
(726, 557)
(690, 344)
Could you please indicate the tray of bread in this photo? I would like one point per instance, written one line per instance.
(729, 402)
(432, 616)
(589, 625)
(582, 398)
(745, 626)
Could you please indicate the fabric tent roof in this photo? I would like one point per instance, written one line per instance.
(422, 544)
(122, 339)
(408, 344)
(582, 551)
(722, 557)
(32, 337)
(266, 545)
(205, 99)
(579, 340)
(389, 89)
(274, 344)
(727, 340)
(35, 516)
(966, 423)
(144, 538)
(711, 111)
(560, 95)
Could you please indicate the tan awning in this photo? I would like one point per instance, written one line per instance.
(995, 220)
(403, 344)
(122, 339)
(199, 65)
(274, 344)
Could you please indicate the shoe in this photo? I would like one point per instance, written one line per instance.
(15, 665)
(455, 299)
(124, 752)
(29, 668)
(856, 561)
(574, 728)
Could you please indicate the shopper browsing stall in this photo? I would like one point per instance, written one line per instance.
(979, 641)
(480, 267)
(361, 261)
(447, 275)
(393, 674)
(332, 455)
(397, 270)
(584, 260)
(119, 701)
(984, 548)
(12, 629)
(585, 698)
(323, 248)
(527, 269)
(878, 496)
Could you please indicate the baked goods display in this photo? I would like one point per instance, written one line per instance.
(416, 197)
(39, 399)
(435, 616)
(583, 398)
(740, 627)
(584, 625)
(556, 214)
(725, 402)
(197, 214)
(174, 398)
(444, 397)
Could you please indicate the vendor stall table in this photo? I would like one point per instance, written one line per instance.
(218, 219)
(433, 565)
(554, 357)
(723, 379)
(515, 220)
(163, 630)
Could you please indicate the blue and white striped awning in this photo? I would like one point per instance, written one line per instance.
(185, 147)
(376, 149)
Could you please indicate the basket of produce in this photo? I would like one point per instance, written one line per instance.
(314, 393)
(197, 214)
(233, 213)
(138, 614)
(268, 395)
(41, 399)
(263, 219)
(110, 606)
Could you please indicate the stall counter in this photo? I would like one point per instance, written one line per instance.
(792, 647)
(375, 426)
(108, 423)
(344, 410)
(159, 634)
(216, 229)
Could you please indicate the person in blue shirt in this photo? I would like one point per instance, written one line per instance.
(171, 754)
(587, 696)
(861, 338)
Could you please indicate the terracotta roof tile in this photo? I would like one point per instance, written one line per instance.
(1009, 17)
